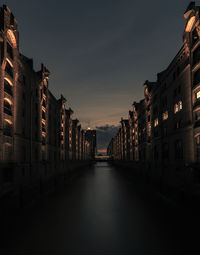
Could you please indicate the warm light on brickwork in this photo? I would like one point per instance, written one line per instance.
(190, 24)
(11, 38)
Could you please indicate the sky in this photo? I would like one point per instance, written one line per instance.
(100, 52)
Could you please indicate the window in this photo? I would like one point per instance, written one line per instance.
(9, 51)
(7, 130)
(197, 95)
(9, 69)
(156, 122)
(11, 38)
(165, 115)
(44, 103)
(8, 88)
(43, 115)
(178, 107)
(43, 128)
(7, 107)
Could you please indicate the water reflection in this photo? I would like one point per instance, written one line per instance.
(101, 213)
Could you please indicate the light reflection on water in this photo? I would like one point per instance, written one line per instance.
(100, 213)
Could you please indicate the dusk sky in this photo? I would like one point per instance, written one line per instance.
(100, 53)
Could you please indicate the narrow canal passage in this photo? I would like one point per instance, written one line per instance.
(102, 212)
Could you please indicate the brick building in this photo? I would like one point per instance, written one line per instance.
(165, 125)
(36, 130)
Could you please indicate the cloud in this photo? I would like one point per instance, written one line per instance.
(104, 135)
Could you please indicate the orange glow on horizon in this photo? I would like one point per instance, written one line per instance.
(102, 151)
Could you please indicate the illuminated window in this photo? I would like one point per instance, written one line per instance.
(9, 69)
(190, 24)
(11, 38)
(165, 115)
(197, 95)
(7, 107)
(156, 122)
(178, 107)
(8, 87)
(7, 130)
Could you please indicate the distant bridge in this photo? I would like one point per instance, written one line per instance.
(101, 158)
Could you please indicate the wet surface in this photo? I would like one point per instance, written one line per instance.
(101, 212)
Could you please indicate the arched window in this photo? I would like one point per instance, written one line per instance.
(7, 106)
(9, 69)
(7, 129)
(11, 38)
(8, 87)
(9, 51)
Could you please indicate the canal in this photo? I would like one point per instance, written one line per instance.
(102, 211)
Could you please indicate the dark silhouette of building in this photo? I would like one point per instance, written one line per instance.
(91, 138)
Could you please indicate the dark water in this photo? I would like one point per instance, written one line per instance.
(101, 212)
